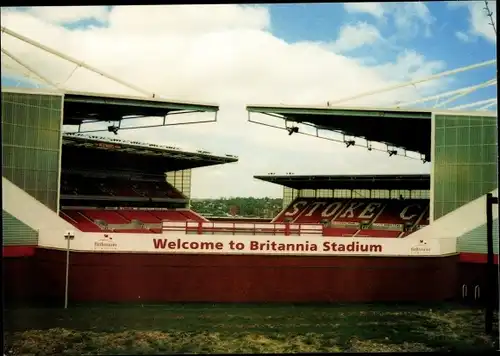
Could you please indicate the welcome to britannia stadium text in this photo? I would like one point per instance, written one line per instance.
(179, 244)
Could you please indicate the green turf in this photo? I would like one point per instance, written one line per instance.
(241, 328)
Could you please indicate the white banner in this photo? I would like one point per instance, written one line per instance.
(245, 244)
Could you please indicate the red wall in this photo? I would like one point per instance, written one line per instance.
(18, 251)
(18, 278)
(223, 278)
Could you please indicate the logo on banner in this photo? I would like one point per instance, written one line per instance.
(105, 243)
(420, 248)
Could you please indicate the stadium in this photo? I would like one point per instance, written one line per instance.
(93, 219)
(122, 208)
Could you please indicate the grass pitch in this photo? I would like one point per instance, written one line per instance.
(219, 328)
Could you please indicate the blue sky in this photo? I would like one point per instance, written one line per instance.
(323, 22)
(264, 54)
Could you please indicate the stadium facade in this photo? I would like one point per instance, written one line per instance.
(125, 206)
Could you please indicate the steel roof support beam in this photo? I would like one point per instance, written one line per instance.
(77, 62)
(449, 93)
(468, 91)
(414, 82)
(486, 107)
(317, 132)
(164, 123)
(460, 107)
(31, 70)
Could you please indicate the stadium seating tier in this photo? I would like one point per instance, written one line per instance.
(125, 221)
(342, 217)
(74, 184)
(382, 217)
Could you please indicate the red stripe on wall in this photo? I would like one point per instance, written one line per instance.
(470, 257)
(18, 251)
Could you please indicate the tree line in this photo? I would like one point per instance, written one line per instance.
(238, 206)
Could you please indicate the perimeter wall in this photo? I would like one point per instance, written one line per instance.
(137, 277)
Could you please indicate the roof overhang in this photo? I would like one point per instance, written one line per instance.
(409, 130)
(370, 182)
(81, 108)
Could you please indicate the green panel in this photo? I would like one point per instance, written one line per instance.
(465, 160)
(31, 142)
(475, 240)
(15, 232)
(180, 180)
(289, 195)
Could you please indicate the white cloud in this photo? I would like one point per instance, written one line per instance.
(352, 36)
(479, 21)
(230, 58)
(462, 36)
(187, 19)
(411, 65)
(374, 9)
(409, 18)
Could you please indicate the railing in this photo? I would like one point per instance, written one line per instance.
(255, 228)
(238, 228)
(477, 292)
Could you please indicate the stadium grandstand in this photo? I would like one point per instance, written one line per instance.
(121, 186)
(105, 184)
(461, 147)
(101, 203)
(356, 206)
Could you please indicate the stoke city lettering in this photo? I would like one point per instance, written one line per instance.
(342, 210)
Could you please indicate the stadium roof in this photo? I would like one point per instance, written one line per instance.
(372, 182)
(169, 157)
(85, 107)
(406, 129)
(80, 107)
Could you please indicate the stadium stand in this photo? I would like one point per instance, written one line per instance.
(345, 217)
(370, 215)
(73, 184)
(95, 220)
(121, 186)
(136, 198)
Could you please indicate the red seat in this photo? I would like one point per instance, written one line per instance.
(294, 210)
(75, 184)
(190, 215)
(170, 215)
(110, 217)
(357, 211)
(378, 233)
(143, 216)
(339, 232)
(79, 221)
(402, 211)
(132, 231)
